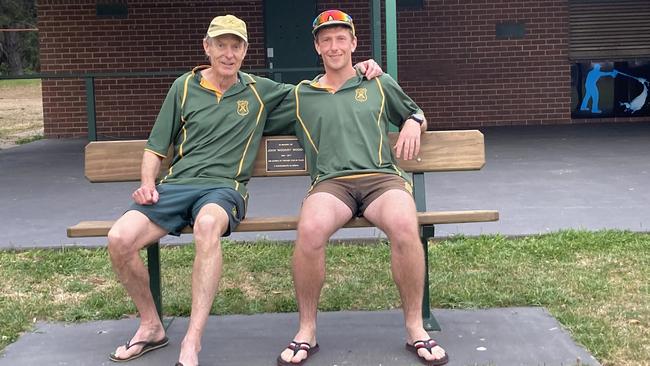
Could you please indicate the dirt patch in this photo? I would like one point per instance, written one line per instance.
(21, 113)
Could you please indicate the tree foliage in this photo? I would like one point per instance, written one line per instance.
(18, 49)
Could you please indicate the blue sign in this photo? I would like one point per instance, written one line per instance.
(610, 89)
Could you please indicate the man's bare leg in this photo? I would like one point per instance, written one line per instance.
(130, 233)
(394, 213)
(321, 215)
(210, 224)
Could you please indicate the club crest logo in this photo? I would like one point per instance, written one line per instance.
(234, 211)
(242, 107)
(361, 94)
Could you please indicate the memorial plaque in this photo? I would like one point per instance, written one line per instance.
(285, 155)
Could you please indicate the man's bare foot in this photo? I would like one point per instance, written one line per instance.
(189, 353)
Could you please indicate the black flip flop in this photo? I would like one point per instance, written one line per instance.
(297, 347)
(427, 344)
(147, 347)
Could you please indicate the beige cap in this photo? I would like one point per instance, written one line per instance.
(228, 24)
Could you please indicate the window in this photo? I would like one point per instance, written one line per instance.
(409, 4)
(112, 9)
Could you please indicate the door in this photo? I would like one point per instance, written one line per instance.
(289, 43)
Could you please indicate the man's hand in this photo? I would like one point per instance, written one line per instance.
(408, 140)
(369, 68)
(145, 195)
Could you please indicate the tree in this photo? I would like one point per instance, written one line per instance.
(18, 49)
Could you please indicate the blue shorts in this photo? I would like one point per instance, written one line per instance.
(179, 204)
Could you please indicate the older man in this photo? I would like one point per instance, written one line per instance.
(214, 117)
(342, 123)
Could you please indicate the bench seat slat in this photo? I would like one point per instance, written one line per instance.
(279, 223)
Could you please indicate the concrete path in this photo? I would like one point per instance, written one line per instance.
(540, 179)
(507, 336)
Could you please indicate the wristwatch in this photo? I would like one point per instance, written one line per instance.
(417, 118)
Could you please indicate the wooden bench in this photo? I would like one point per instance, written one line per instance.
(119, 161)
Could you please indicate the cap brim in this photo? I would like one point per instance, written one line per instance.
(333, 22)
(225, 31)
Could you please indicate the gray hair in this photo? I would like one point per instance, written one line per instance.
(210, 40)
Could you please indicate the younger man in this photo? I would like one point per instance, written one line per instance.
(342, 122)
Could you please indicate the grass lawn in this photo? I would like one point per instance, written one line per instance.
(20, 82)
(595, 283)
(21, 111)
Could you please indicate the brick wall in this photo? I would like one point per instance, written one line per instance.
(450, 61)
(157, 36)
(463, 76)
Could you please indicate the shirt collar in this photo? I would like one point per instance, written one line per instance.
(350, 83)
(242, 77)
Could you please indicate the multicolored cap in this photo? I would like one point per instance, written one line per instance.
(332, 17)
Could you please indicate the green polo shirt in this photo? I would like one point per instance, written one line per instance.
(215, 137)
(346, 132)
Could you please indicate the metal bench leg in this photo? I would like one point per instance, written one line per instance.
(153, 264)
(429, 321)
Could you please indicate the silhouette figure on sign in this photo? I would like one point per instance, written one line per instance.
(592, 88)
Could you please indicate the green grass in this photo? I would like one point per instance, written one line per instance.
(27, 140)
(19, 82)
(595, 283)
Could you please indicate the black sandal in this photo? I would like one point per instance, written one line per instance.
(296, 347)
(147, 347)
(427, 344)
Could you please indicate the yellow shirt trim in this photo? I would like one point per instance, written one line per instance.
(208, 85)
(317, 84)
(355, 176)
(397, 170)
(257, 121)
(180, 148)
(302, 124)
(187, 80)
(155, 153)
(381, 112)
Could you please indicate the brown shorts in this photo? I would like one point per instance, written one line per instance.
(358, 191)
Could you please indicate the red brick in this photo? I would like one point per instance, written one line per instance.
(449, 60)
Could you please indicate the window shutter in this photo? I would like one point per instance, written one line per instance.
(609, 29)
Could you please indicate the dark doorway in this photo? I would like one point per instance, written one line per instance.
(289, 43)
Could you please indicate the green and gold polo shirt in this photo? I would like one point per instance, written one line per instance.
(346, 132)
(215, 136)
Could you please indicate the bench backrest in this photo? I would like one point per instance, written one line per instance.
(118, 161)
